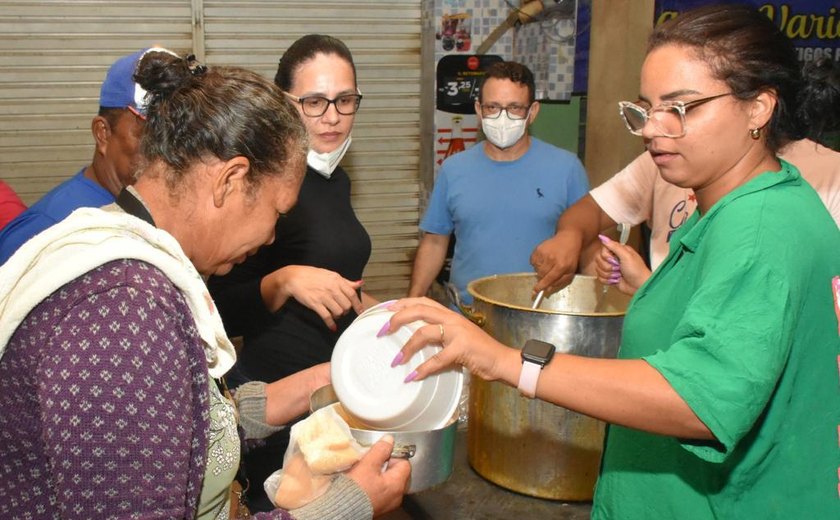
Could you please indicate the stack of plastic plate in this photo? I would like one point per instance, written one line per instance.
(375, 393)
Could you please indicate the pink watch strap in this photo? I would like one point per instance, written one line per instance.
(528, 379)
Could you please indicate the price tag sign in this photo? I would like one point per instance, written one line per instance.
(458, 80)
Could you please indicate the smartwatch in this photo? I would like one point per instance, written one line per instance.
(535, 355)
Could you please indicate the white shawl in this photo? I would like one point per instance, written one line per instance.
(89, 238)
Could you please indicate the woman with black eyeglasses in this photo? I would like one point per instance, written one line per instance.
(724, 401)
(293, 299)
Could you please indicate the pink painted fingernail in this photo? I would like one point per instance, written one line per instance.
(397, 359)
(410, 377)
(603, 238)
(384, 330)
(613, 261)
(614, 279)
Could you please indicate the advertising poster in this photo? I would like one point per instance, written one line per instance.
(458, 80)
(813, 25)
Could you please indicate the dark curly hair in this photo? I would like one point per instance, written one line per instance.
(195, 112)
(304, 49)
(747, 51)
(516, 72)
(820, 99)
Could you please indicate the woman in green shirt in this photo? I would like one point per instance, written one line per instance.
(724, 401)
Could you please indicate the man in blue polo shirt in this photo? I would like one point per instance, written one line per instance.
(116, 131)
(500, 198)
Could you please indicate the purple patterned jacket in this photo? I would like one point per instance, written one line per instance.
(104, 402)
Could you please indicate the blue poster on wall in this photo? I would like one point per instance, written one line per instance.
(584, 20)
(813, 25)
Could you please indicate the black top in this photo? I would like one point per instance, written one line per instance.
(322, 230)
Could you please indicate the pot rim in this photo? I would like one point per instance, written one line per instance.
(471, 289)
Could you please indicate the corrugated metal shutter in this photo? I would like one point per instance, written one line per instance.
(54, 54)
(53, 58)
(384, 37)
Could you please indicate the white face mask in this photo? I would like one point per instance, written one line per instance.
(325, 163)
(503, 131)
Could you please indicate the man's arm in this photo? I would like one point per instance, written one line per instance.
(556, 259)
(20, 230)
(431, 253)
(627, 197)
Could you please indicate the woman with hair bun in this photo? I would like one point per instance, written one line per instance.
(724, 401)
(111, 349)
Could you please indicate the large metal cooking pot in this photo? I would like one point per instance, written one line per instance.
(531, 446)
(431, 453)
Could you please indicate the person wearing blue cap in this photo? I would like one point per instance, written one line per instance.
(116, 130)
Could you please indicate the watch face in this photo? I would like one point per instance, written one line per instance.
(537, 351)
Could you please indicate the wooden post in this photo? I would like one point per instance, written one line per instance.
(618, 39)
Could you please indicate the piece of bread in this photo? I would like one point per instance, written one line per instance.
(326, 446)
(298, 486)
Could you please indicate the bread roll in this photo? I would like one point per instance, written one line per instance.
(326, 445)
(298, 486)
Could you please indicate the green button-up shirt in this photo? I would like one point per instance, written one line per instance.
(739, 319)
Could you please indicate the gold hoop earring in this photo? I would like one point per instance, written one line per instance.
(755, 133)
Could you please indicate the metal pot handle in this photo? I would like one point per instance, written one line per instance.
(400, 451)
(467, 310)
(403, 451)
